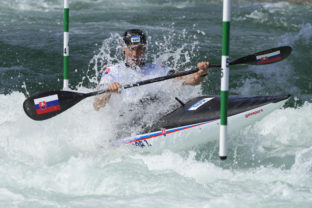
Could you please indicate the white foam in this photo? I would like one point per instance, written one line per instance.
(38, 5)
(67, 156)
(274, 7)
(258, 15)
(264, 182)
(290, 126)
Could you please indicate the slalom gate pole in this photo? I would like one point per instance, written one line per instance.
(66, 40)
(224, 78)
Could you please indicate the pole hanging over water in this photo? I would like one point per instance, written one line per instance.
(224, 77)
(66, 40)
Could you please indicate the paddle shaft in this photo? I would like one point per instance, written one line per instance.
(157, 79)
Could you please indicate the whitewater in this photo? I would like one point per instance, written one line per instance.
(68, 161)
(270, 162)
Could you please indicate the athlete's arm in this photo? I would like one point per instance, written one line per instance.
(101, 100)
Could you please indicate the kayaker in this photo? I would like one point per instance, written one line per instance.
(134, 48)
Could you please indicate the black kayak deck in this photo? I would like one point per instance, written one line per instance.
(207, 108)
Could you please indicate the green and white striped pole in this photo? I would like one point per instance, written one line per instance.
(66, 40)
(224, 77)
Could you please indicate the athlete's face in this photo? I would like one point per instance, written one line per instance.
(134, 54)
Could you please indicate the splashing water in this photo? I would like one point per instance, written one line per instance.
(68, 161)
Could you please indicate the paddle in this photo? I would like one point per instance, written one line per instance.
(46, 105)
(269, 56)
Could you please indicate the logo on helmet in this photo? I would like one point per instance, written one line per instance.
(135, 39)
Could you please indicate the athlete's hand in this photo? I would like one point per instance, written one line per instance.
(114, 87)
(101, 100)
(203, 68)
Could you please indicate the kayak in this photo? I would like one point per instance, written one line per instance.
(196, 122)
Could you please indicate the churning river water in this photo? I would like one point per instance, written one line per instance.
(66, 162)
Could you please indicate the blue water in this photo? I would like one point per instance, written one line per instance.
(66, 162)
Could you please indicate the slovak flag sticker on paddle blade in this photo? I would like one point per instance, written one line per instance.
(269, 58)
(47, 104)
